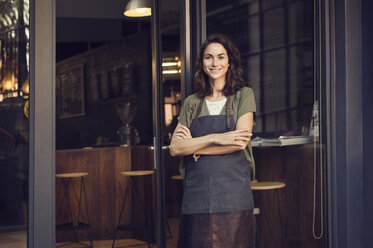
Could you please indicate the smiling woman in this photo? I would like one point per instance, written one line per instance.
(217, 186)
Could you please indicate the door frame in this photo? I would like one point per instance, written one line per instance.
(158, 114)
(41, 210)
(341, 17)
(345, 123)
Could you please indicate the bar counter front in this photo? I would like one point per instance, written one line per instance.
(104, 188)
(293, 165)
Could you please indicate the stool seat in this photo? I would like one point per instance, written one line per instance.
(137, 173)
(267, 185)
(71, 175)
(177, 177)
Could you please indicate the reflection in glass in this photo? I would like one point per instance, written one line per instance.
(275, 39)
(14, 122)
(104, 126)
(276, 43)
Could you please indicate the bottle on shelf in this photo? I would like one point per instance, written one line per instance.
(314, 127)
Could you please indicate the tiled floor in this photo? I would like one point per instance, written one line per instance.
(13, 240)
(107, 244)
(19, 239)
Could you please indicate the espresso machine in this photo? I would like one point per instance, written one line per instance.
(128, 134)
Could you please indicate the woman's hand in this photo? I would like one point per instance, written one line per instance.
(182, 133)
(237, 138)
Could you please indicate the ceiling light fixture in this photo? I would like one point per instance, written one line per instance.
(138, 8)
(8, 82)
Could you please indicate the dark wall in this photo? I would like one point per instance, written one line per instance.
(367, 47)
(351, 137)
(106, 83)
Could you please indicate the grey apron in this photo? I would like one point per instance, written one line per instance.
(216, 183)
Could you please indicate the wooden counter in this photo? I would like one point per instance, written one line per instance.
(294, 166)
(104, 186)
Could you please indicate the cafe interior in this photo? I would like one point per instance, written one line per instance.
(113, 188)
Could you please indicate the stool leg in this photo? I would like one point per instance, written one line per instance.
(121, 210)
(79, 200)
(280, 219)
(65, 184)
(274, 219)
(87, 213)
(169, 230)
(140, 203)
(268, 224)
(69, 205)
(80, 213)
(257, 232)
(63, 199)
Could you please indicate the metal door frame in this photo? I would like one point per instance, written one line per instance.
(41, 211)
(41, 225)
(157, 124)
(341, 18)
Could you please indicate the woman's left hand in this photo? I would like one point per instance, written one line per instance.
(182, 133)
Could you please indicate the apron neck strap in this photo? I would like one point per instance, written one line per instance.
(198, 112)
(228, 113)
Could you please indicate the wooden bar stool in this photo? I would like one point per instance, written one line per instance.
(77, 223)
(265, 186)
(133, 227)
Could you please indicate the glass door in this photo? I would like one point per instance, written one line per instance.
(278, 44)
(14, 122)
(106, 181)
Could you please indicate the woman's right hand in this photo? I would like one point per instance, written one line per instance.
(182, 132)
(237, 137)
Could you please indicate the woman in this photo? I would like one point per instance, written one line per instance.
(214, 129)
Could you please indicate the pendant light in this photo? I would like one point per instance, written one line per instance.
(8, 82)
(138, 8)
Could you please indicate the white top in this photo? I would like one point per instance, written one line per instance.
(215, 107)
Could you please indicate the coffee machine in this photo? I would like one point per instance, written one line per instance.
(128, 134)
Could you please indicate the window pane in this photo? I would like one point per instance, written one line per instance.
(104, 126)
(273, 28)
(276, 47)
(266, 4)
(275, 40)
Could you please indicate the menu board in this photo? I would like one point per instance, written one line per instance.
(71, 92)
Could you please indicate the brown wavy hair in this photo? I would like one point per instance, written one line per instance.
(233, 77)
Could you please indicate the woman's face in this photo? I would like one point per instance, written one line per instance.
(215, 61)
